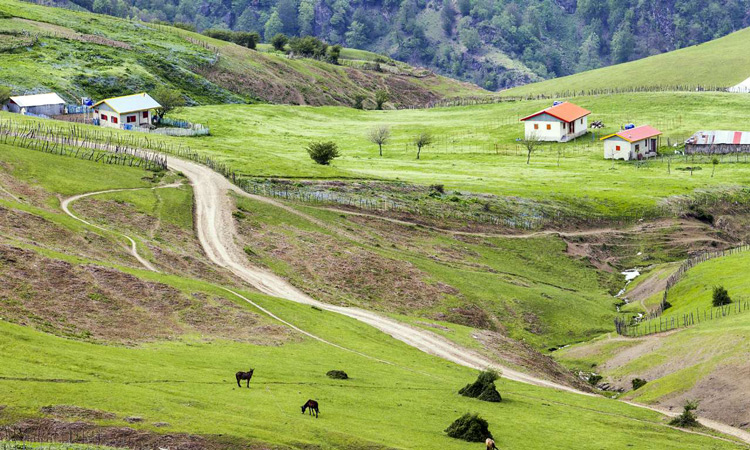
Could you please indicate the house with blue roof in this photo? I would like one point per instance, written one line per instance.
(126, 112)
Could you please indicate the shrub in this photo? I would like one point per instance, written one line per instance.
(279, 41)
(439, 188)
(469, 427)
(359, 101)
(638, 383)
(483, 388)
(721, 296)
(687, 418)
(337, 375)
(242, 38)
(308, 46)
(323, 152)
(594, 379)
(381, 98)
(334, 53)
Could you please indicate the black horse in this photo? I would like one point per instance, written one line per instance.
(244, 376)
(313, 405)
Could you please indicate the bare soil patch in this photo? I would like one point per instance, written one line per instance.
(67, 411)
(103, 304)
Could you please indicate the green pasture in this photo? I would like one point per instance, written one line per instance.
(723, 62)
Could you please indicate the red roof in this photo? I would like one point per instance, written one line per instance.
(636, 134)
(566, 111)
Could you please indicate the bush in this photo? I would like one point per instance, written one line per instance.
(308, 46)
(245, 39)
(469, 427)
(333, 54)
(721, 296)
(484, 388)
(638, 383)
(323, 152)
(359, 101)
(279, 41)
(437, 188)
(337, 375)
(687, 418)
(594, 379)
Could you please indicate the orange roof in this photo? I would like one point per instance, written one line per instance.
(636, 134)
(566, 111)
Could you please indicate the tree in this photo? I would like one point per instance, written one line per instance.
(323, 152)
(469, 427)
(423, 139)
(714, 162)
(622, 45)
(381, 98)
(687, 418)
(448, 17)
(380, 136)
(531, 143)
(359, 100)
(334, 52)
(273, 26)
(306, 17)
(279, 41)
(287, 10)
(4, 94)
(169, 99)
(721, 296)
(356, 37)
(308, 46)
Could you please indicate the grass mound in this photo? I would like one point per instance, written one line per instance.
(337, 375)
(469, 427)
(483, 388)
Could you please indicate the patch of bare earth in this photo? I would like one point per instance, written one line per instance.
(105, 304)
(522, 355)
(338, 273)
(80, 432)
(175, 249)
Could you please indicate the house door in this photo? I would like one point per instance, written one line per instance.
(572, 126)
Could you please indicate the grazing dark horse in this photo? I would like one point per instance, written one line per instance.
(313, 405)
(244, 376)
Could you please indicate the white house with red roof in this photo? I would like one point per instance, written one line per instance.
(561, 122)
(126, 112)
(633, 143)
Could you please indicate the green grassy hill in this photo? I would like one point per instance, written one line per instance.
(723, 62)
(176, 377)
(706, 362)
(81, 54)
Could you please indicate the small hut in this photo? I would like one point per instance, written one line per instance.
(126, 112)
(718, 142)
(49, 104)
(632, 143)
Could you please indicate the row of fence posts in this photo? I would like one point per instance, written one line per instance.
(645, 326)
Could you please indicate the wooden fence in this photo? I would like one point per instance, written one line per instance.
(36, 136)
(644, 324)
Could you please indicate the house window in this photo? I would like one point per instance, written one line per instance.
(145, 114)
(536, 126)
(114, 119)
(617, 148)
(104, 117)
(637, 147)
(549, 127)
(131, 119)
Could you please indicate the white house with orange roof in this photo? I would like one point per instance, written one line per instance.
(127, 112)
(632, 143)
(561, 122)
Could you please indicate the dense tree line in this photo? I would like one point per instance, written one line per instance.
(495, 43)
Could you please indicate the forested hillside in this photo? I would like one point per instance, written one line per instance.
(494, 43)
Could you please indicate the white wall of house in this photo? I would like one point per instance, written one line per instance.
(552, 129)
(545, 128)
(627, 150)
(109, 118)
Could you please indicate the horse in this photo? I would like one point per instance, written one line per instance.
(244, 376)
(313, 405)
(490, 444)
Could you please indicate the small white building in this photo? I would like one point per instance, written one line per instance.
(49, 104)
(634, 143)
(126, 112)
(561, 122)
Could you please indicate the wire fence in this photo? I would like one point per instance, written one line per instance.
(645, 323)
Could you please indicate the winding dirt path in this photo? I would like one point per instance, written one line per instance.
(216, 232)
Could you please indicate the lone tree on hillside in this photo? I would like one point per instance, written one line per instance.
(323, 152)
(721, 296)
(279, 41)
(381, 98)
(380, 136)
(687, 418)
(5, 92)
(714, 162)
(469, 427)
(484, 387)
(169, 99)
(531, 143)
(423, 139)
